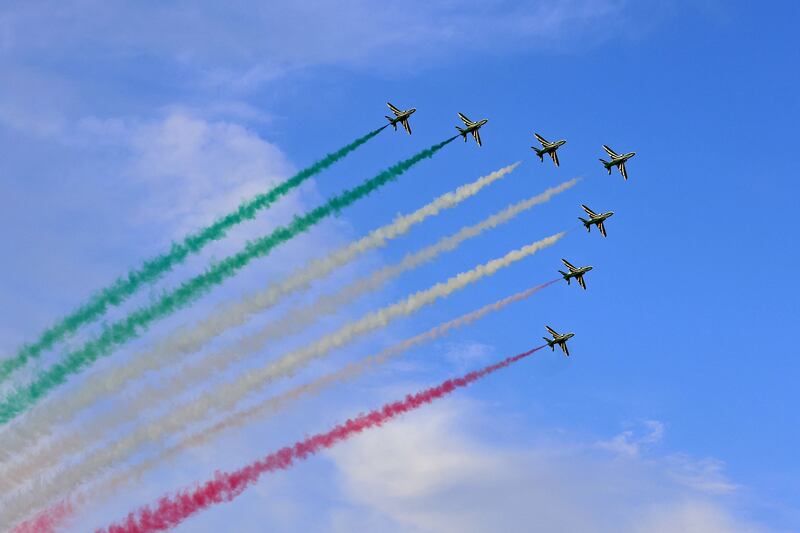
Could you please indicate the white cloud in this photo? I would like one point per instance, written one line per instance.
(217, 55)
(704, 475)
(691, 517)
(246, 43)
(428, 472)
(200, 169)
(192, 169)
(632, 442)
(467, 354)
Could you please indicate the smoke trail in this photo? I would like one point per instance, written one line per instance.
(49, 520)
(138, 321)
(57, 514)
(185, 342)
(172, 510)
(297, 319)
(350, 371)
(226, 395)
(152, 269)
(213, 364)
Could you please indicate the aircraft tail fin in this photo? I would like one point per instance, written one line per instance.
(586, 223)
(462, 132)
(540, 153)
(391, 121)
(551, 345)
(606, 164)
(565, 275)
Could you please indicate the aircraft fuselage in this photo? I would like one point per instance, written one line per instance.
(621, 159)
(476, 126)
(578, 272)
(553, 147)
(402, 116)
(561, 339)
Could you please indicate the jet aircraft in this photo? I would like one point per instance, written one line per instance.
(547, 148)
(575, 272)
(401, 117)
(617, 160)
(559, 339)
(471, 127)
(595, 219)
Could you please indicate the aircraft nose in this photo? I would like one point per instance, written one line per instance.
(589, 268)
(413, 110)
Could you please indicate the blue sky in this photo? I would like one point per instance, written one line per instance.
(123, 128)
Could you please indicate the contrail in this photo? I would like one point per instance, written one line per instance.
(226, 395)
(300, 317)
(131, 326)
(55, 515)
(185, 342)
(154, 268)
(47, 521)
(172, 510)
(294, 321)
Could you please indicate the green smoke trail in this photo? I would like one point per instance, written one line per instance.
(131, 326)
(151, 270)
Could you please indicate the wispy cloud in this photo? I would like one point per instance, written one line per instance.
(431, 473)
(246, 44)
(632, 442)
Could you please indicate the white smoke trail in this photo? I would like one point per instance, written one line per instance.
(226, 395)
(294, 321)
(276, 403)
(101, 491)
(38, 423)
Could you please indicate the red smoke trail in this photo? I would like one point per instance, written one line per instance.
(172, 510)
(48, 520)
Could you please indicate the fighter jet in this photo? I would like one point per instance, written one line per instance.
(575, 272)
(547, 148)
(472, 127)
(400, 116)
(595, 219)
(559, 339)
(617, 160)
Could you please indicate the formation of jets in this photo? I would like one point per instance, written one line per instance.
(548, 149)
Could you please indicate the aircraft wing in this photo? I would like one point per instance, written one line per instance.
(623, 170)
(555, 157)
(406, 125)
(602, 229)
(477, 137)
(564, 348)
(588, 211)
(394, 109)
(581, 282)
(465, 120)
(552, 332)
(568, 264)
(542, 140)
(610, 152)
